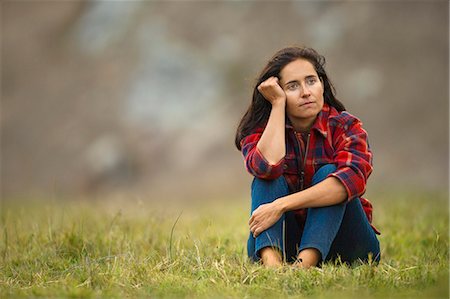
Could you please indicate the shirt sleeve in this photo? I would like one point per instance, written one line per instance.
(255, 163)
(353, 157)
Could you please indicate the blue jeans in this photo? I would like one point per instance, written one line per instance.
(339, 230)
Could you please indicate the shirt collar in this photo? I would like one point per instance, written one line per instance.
(320, 124)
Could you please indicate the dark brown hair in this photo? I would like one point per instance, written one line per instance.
(258, 112)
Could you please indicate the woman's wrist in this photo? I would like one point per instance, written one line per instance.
(279, 103)
(281, 204)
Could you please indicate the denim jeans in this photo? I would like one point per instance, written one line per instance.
(339, 230)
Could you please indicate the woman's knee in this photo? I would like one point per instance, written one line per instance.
(269, 190)
(322, 173)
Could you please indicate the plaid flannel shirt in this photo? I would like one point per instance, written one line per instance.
(335, 138)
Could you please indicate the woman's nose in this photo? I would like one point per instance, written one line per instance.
(305, 92)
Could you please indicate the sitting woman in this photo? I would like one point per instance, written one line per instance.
(310, 160)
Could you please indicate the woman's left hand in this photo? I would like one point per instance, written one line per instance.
(264, 217)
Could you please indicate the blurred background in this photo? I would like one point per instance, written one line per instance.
(143, 97)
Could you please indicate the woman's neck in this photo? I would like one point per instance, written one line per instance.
(302, 125)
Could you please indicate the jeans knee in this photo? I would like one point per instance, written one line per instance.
(265, 191)
(268, 186)
(323, 172)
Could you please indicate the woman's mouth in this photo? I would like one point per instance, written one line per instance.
(306, 104)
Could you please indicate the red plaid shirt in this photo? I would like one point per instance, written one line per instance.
(335, 138)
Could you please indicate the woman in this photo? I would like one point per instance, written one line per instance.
(311, 160)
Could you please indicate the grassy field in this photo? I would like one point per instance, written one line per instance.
(130, 248)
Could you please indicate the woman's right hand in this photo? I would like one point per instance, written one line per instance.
(272, 91)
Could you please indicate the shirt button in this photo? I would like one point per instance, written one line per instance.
(285, 166)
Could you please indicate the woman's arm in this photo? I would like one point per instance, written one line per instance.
(272, 143)
(326, 193)
(352, 157)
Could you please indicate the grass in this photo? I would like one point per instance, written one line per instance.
(129, 248)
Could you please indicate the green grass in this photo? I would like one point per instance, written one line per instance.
(122, 248)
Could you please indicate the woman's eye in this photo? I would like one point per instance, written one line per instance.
(311, 81)
(292, 86)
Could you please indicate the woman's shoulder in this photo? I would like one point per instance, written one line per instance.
(342, 118)
(259, 129)
(252, 134)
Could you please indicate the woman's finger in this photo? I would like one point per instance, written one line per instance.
(251, 220)
(252, 230)
(254, 213)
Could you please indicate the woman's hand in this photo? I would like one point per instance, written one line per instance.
(272, 91)
(264, 217)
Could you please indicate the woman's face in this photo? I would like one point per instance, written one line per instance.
(304, 91)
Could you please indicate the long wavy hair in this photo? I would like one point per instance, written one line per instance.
(258, 112)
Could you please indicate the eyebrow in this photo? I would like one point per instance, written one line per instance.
(307, 77)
